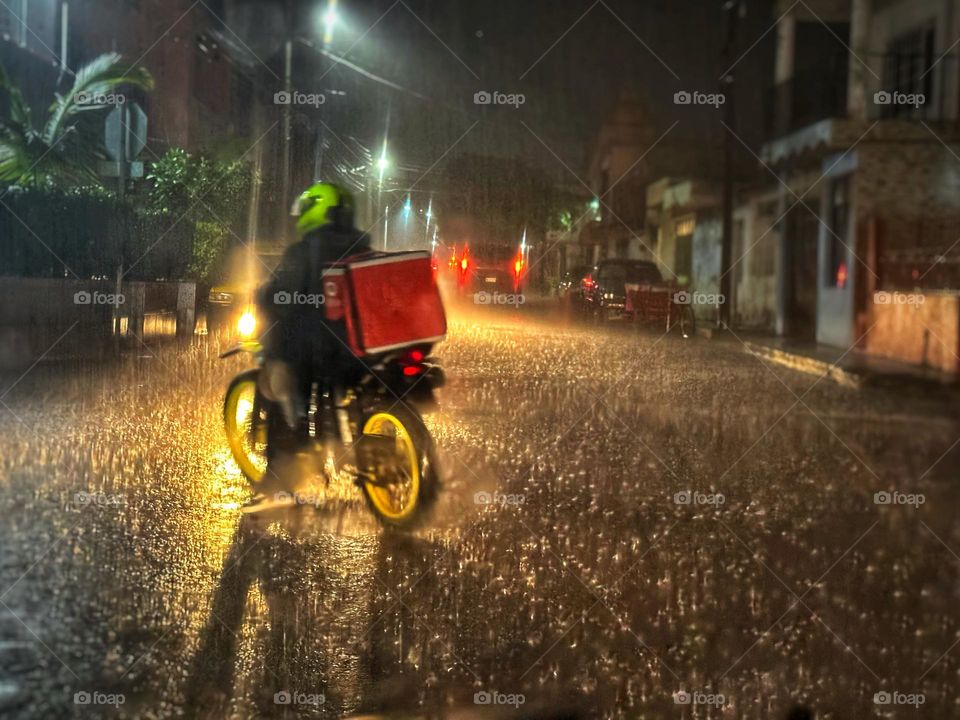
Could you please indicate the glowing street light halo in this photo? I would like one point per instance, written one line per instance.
(330, 21)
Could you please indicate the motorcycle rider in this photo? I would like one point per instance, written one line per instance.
(299, 343)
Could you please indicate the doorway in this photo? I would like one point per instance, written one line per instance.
(802, 228)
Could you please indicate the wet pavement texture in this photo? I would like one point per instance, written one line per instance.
(625, 518)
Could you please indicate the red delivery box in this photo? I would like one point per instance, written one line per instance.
(387, 301)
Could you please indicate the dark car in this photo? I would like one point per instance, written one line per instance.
(492, 280)
(603, 289)
(568, 289)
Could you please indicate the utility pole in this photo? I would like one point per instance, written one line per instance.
(285, 161)
(733, 10)
(386, 225)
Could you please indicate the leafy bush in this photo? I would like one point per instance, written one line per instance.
(88, 232)
(209, 194)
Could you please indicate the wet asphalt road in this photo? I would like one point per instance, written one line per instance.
(668, 516)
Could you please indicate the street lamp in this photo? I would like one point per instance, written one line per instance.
(428, 216)
(330, 19)
(383, 164)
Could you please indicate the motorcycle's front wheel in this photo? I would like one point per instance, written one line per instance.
(398, 460)
(246, 426)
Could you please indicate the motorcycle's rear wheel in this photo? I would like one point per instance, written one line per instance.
(399, 452)
(246, 426)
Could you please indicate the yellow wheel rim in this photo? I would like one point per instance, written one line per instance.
(248, 445)
(397, 500)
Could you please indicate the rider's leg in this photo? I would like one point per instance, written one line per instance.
(286, 416)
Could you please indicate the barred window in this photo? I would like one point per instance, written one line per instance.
(907, 71)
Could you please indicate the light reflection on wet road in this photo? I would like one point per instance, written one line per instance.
(666, 517)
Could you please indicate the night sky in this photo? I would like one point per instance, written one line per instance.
(571, 61)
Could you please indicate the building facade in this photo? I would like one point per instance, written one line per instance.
(858, 222)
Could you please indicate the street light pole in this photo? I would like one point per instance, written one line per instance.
(426, 234)
(386, 224)
(733, 10)
(285, 161)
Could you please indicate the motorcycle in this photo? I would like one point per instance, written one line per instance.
(370, 431)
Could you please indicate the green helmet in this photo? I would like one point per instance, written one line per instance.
(323, 204)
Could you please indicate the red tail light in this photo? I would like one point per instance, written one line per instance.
(411, 363)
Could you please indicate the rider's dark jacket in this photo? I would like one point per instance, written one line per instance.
(292, 317)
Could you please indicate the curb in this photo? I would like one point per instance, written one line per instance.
(805, 364)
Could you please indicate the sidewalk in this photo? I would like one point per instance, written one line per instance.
(850, 368)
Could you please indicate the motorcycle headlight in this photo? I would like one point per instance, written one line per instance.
(247, 324)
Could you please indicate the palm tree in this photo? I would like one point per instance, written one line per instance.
(69, 144)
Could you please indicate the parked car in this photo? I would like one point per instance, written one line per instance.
(568, 289)
(603, 289)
